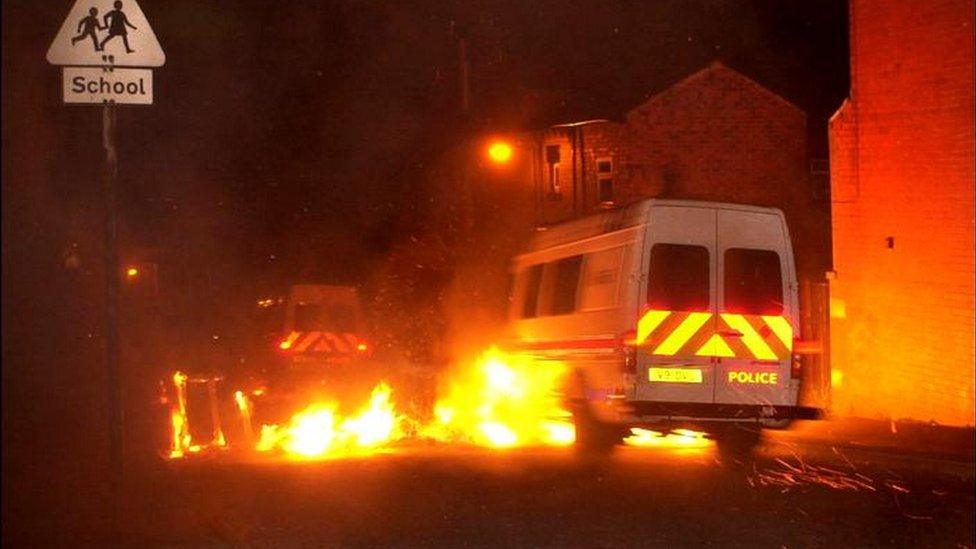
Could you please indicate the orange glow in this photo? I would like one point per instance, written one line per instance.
(500, 152)
(503, 400)
(362, 347)
(679, 438)
(132, 272)
(285, 345)
(836, 378)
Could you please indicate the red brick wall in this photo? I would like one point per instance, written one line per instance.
(902, 159)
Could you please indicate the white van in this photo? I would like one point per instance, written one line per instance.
(670, 313)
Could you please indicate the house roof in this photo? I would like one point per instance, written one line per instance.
(586, 112)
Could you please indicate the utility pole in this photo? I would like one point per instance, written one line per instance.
(114, 400)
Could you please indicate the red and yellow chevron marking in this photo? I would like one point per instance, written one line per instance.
(686, 333)
(320, 342)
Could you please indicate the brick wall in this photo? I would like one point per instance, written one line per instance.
(902, 159)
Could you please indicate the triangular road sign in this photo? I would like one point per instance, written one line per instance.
(96, 29)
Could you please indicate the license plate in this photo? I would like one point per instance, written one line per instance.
(675, 375)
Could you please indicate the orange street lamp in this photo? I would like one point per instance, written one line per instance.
(500, 152)
(132, 272)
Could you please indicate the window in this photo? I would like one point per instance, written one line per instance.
(531, 303)
(565, 285)
(606, 190)
(601, 272)
(604, 179)
(753, 282)
(334, 317)
(678, 278)
(552, 161)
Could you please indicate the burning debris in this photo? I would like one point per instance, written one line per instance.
(319, 431)
(502, 401)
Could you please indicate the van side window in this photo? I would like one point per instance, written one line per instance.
(565, 284)
(753, 282)
(601, 273)
(677, 279)
(533, 279)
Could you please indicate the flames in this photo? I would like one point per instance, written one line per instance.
(505, 400)
(501, 401)
(319, 431)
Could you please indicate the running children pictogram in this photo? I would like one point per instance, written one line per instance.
(96, 28)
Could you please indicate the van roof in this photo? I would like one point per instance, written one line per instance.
(621, 218)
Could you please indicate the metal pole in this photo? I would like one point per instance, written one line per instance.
(111, 313)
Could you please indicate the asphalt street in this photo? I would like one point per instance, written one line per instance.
(788, 494)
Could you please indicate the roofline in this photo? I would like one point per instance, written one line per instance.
(700, 72)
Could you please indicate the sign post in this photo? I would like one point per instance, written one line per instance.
(106, 48)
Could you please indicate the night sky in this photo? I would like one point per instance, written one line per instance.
(290, 129)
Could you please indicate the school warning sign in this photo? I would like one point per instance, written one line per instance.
(106, 32)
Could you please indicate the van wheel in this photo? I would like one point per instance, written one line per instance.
(593, 435)
(737, 440)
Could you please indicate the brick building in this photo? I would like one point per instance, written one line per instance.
(716, 135)
(902, 154)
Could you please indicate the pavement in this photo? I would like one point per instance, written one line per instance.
(905, 437)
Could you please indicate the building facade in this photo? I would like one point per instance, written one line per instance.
(902, 154)
(716, 135)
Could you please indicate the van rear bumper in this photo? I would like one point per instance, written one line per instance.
(650, 411)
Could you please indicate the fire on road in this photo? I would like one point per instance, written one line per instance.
(502, 401)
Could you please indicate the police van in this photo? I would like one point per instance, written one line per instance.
(669, 313)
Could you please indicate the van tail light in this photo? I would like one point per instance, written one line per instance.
(796, 366)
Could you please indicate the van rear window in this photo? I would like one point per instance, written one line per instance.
(753, 282)
(677, 279)
(531, 304)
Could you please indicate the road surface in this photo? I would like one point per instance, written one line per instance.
(789, 494)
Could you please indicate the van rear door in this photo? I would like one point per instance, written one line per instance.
(677, 315)
(756, 308)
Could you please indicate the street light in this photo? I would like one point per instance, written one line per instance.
(500, 152)
(132, 272)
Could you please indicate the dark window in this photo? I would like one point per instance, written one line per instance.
(566, 283)
(753, 282)
(604, 166)
(677, 279)
(334, 317)
(552, 154)
(606, 190)
(531, 304)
